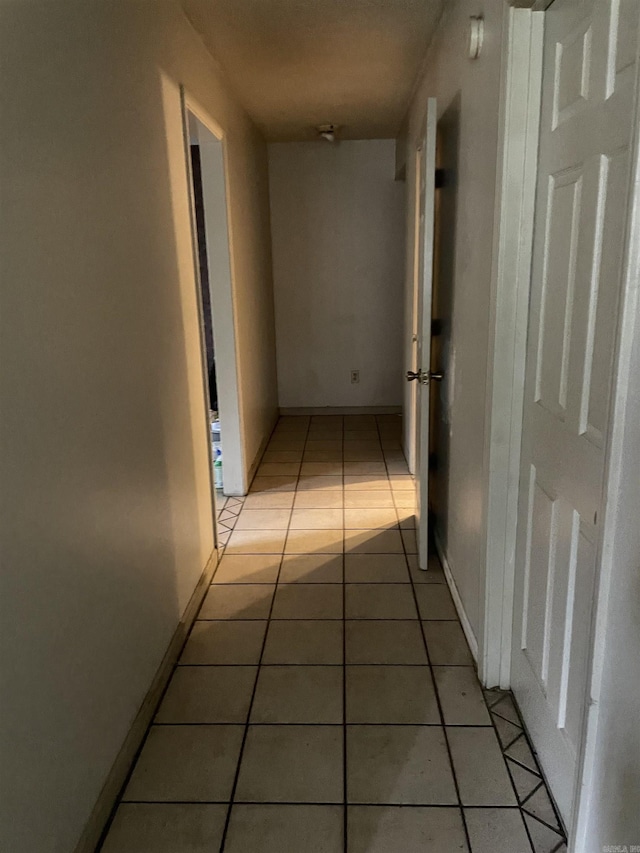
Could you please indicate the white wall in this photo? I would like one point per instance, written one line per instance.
(473, 87)
(337, 221)
(106, 510)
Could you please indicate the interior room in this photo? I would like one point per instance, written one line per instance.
(320, 426)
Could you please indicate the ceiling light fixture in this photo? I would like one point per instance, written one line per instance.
(328, 131)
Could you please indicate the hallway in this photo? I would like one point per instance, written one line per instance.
(326, 673)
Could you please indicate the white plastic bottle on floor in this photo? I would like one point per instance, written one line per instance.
(217, 469)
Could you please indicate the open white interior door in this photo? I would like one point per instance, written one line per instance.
(586, 129)
(426, 187)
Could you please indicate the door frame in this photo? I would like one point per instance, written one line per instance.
(222, 296)
(519, 121)
(520, 104)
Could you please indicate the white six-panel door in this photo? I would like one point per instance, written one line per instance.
(581, 207)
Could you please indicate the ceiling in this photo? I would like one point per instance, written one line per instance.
(295, 64)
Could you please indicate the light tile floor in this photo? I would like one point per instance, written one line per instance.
(326, 700)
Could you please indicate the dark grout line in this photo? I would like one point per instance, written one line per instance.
(436, 692)
(345, 822)
(332, 803)
(324, 724)
(255, 683)
(360, 663)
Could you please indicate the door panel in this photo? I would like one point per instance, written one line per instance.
(426, 210)
(581, 204)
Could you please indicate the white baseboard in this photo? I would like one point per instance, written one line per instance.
(129, 750)
(462, 614)
(341, 410)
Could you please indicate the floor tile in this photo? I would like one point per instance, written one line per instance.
(391, 694)
(322, 456)
(363, 500)
(377, 468)
(491, 830)
(404, 499)
(311, 568)
(402, 482)
(544, 839)
(186, 764)
(208, 694)
(435, 602)
(507, 732)
(353, 444)
(376, 568)
(325, 434)
(166, 828)
(256, 828)
(224, 642)
(398, 642)
(520, 751)
(237, 601)
(314, 542)
(308, 601)
(389, 829)
(398, 765)
(313, 519)
(320, 444)
(366, 483)
(271, 641)
(304, 641)
(321, 468)
(480, 769)
(263, 519)
(505, 708)
(273, 455)
(433, 573)
(379, 601)
(247, 568)
(370, 518)
(406, 518)
(273, 484)
(320, 483)
(322, 499)
(298, 694)
(461, 696)
(410, 541)
(447, 644)
(327, 420)
(524, 781)
(373, 542)
(287, 442)
(278, 469)
(299, 764)
(539, 805)
(256, 542)
(362, 454)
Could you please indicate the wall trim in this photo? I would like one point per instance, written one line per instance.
(288, 411)
(511, 274)
(457, 600)
(117, 776)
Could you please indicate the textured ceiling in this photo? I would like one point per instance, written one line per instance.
(294, 64)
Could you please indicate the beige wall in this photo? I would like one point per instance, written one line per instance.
(338, 243)
(105, 493)
(472, 88)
